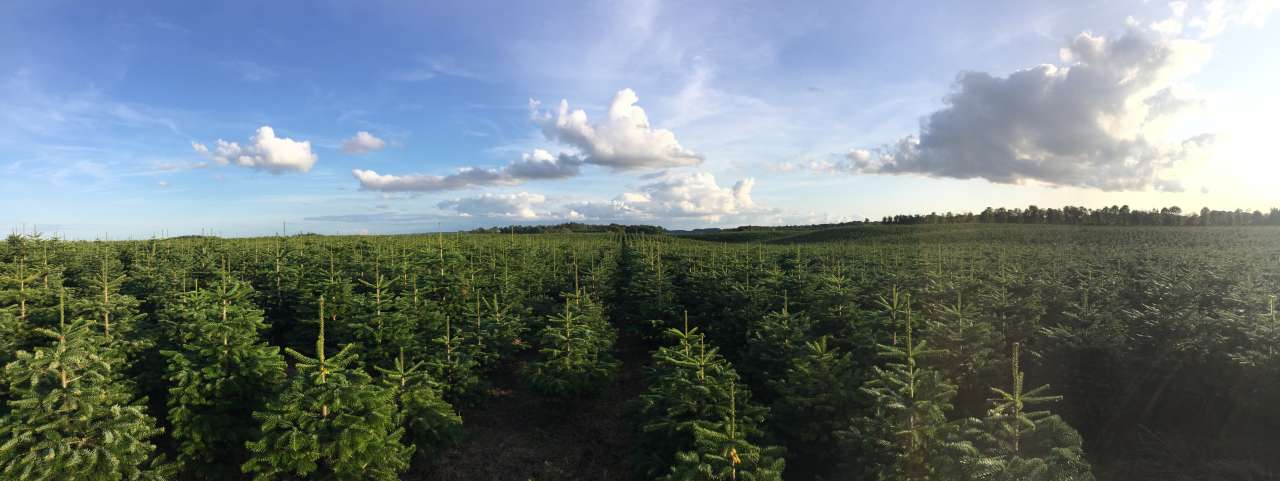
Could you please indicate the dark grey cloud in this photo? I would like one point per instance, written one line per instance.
(1087, 124)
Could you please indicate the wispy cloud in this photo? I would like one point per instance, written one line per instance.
(430, 68)
(250, 71)
(539, 165)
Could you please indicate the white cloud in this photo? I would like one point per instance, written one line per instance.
(264, 152)
(1098, 122)
(676, 196)
(539, 165)
(623, 141)
(466, 177)
(362, 143)
(521, 205)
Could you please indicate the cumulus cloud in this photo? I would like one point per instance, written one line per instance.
(669, 197)
(521, 205)
(675, 196)
(539, 165)
(265, 151)
(362, 143)
(1096, 122)
(624, 140)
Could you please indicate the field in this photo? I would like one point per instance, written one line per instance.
(971, 351)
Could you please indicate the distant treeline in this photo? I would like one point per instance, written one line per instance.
(571, 227)
(1114, 215)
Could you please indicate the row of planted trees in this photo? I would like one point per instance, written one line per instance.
(802, 352)
(88, 365)
(841, 391)
(819, 347)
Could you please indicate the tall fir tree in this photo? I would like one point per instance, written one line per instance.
(908, 426)
(30, 286)
(71, 418)
(330, 424)
(816, 397)
(117, 314)
(221, 370)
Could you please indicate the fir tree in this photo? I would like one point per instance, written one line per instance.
(493, 328)
(1015, 443)
(71, 417)
(380, 328)
(909, 426)
(502, 326)
(117, 314)
(452, 364)
(723, 452)
(697, 415)
(330, 424)
(10, 330)
(816, 397)
(31, 289)
(430, 422)
(576, 356)
(772, 343)
(221, 371)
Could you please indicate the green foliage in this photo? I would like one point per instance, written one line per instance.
(909, 424)
(452, 363)
(221, 370)
(722, 452)
(380, 329)
(500, 327)
(430, 422)
(699, 423)
(1187, 313)
(772, 343)
(29, 287)
(644, 299)
(330, 424)
(576, 354)
(816, 397)
(1014, 443)
(71, 418)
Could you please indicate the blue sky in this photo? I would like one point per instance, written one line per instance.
(339, 117)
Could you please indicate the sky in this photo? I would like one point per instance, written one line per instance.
(139, 119)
